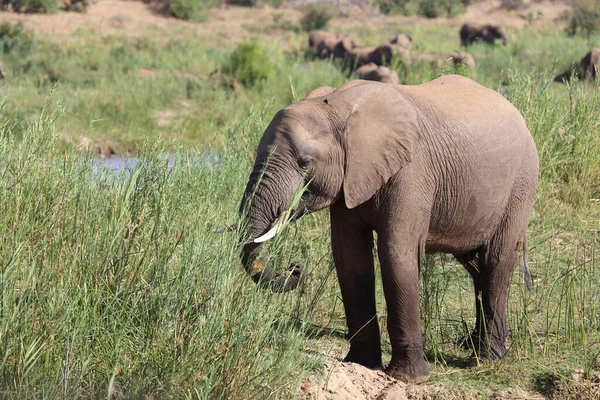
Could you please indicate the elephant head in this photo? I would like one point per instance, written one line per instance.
(591, 64)
(402, 40)
(491, 32)
(318, 144)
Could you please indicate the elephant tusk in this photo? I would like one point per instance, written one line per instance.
(281, 221)
(283, 218)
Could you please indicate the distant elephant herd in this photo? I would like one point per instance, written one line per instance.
(370, 62)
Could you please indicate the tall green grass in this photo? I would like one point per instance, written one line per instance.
(117, 287)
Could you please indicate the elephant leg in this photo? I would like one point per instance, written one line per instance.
(472, 264)
(352, 248)
(400, 260)
(498, 260)
(491, 328)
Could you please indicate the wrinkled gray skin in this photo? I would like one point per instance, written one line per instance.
(402, 40)
(325, 44)
(488, 33)
(587, 68)
(378, 73)
(447, 166)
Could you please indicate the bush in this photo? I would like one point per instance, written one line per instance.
(190, 9)
(44, 6)
(585, 19)
(243, 3)
(440, 8)
(427, 8)
(14, 36)
(315, 17)
(248, 63)
(31, 6)
(76, 5)
(512, 4)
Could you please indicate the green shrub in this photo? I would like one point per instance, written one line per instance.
(249, 63)
(76, 5)
(315, 17)
(440, 8)
(14, 36)
(585, 19)
(32, 6)
(243, 3)
(427, 8)
(190, 9)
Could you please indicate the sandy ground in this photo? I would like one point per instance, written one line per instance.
(340, 381)
(228, 25)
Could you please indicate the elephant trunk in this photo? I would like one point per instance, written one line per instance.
(258, 212)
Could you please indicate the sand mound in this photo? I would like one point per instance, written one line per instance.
(352, 381)
(340, 381)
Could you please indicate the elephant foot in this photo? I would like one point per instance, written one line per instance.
(409, 366)
(477, 361)
(366, 359)
(486, 351)
(493, 352)
(409, 373)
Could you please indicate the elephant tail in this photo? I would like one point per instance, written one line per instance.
(525, 267)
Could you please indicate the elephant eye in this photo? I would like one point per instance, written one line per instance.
(304, 162)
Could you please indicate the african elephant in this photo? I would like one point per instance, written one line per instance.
(458, 57)
(325, 44)
(379, 73)
(402, 40)
(380, 55)
(488, 33)
(361, 55)
(437, 61)
(588, 68)
(446, 166)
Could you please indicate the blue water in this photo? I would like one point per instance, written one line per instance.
(118, 165)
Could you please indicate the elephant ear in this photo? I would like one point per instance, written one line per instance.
(381, 136)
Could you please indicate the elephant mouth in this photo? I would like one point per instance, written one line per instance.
(284, 219)
(299, 212)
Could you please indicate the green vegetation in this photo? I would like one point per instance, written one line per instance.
(585, 18)
(117, 287)
(43, 6)
(426, 8)
(316, 17)
(249, 63)
(190, 9)
(15, 37)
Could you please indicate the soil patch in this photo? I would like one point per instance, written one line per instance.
(339, 381)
